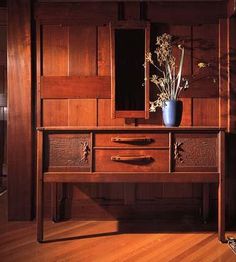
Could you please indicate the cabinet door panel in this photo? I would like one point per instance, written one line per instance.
(67, 152)
(195, 152)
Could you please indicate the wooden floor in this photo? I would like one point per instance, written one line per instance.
(109, 241)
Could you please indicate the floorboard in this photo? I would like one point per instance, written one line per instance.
(105, 241)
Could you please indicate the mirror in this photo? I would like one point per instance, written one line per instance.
(130, 91)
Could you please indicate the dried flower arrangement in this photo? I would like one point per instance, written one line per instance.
(168, 83)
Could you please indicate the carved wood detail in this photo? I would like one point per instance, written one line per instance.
(177, 152)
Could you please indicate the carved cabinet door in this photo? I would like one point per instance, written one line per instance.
(67, 152)
(195, 152)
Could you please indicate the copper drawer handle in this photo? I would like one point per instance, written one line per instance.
(131, 139)
(131, 158)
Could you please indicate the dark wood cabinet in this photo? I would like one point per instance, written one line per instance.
(131, 155)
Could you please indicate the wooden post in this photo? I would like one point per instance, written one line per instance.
(221, 188)
(19, 137)
(40, 187)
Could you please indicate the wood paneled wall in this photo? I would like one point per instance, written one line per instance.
(74, 88)
(3, 95)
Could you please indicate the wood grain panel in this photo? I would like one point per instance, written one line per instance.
(205, 46)
(82, 112)
(84, 191)
(232, 48)
(83, 12)
(55, 50)
(3, 45)
(76, 87)
(111, 191)
(187, 112)
(186, 12)
(104, 114)
(182, 35)
(177, 190)
(202, 86)
(205, 50)
(132, 10)
(55, 112)
(82, 50)
(19, 137)
(3, 16)
(104, 51)
(2, 79)
(154, 119)
(149, 191)
(223, 72)
(205, 112)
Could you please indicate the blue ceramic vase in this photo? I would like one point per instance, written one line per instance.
(172, 113)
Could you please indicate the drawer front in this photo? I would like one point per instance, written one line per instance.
(131, 140)
(116, 160)
(195, 152)
(67, 152)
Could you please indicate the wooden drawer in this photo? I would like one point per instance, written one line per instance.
(116, 160)
(131, 140)
(195, 152)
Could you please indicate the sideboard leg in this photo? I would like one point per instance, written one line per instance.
(40, 188)
(221, 211)
(221, 189)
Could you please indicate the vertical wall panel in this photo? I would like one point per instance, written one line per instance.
(82, 112)
(83, 50)
(104, 114)
(205, 48)
(19, 138)
(55, 50)
(2, 79)
(177, 190)
(3, 45)
(224, 72)
(232, 49)
(187, 112)
(55, 112)
(183, 37)
(104, 51)
(132, 10)
(154, 119)
(205, 111)
(111, 191)
(149, 191)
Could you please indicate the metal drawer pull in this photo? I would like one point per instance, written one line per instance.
(131, 139)
(131, 158)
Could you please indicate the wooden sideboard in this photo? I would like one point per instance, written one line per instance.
(131, 155)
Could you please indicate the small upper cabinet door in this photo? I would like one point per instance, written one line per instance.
(130, 90)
